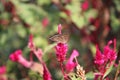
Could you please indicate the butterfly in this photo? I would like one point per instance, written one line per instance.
(60, 38)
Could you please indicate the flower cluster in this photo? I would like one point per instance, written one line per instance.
(106, 59)
(107, 55)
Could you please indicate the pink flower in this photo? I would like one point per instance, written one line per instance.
(99, 58)
(30, 43)
(70, 64)
(17, 57)
(2, 70)
(45, 22)
(104, 60)
(61, 49)
(109, 53)
(46, 74)
(85, 5)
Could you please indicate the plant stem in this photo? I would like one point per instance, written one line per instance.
(61, 66)
(31, 54)
(63, 72)
(117, 72)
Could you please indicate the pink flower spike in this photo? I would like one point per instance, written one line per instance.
(109, 53)
(70, 64)
(99, 58)
(74, 54)
(46, 73)
(59, 28)
(2, 70)
(30, 43)
(61, 50)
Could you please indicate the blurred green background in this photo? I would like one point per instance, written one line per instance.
(89, 22)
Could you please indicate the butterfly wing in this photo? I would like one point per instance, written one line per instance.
(65, 37)
(60, 38)
(56, 38)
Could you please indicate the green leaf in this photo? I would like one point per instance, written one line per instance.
(43, 2)
(34, 76)
(78, 20)
(92, 13)
(93, 49)
(3, 38)
(108, 70)
(63, 15)
(90, 76)
(48, 48)
(40, 41)
(30, 13)
(21, 31)
(74, 7)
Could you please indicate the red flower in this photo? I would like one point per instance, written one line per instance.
(61, 50)
(109, 53)
(17, 57)
(70, 64)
